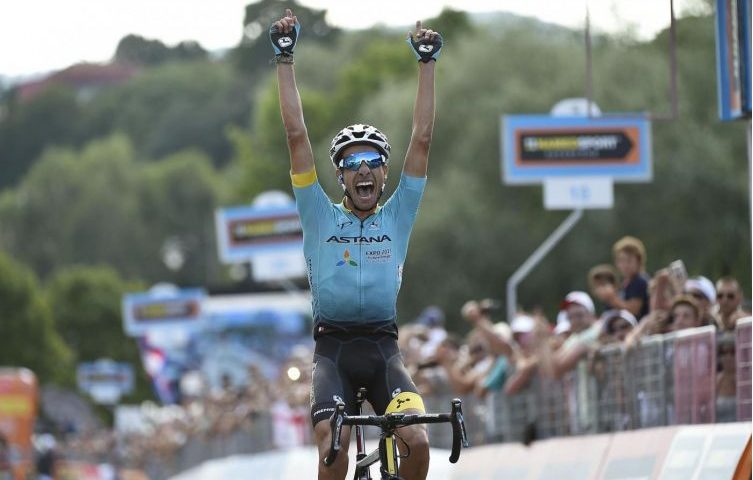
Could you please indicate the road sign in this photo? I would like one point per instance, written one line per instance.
(537, 147)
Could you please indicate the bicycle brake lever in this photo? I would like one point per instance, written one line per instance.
(335, 425)
(458, 430)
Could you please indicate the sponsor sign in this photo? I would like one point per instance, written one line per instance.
(248, 231)
(148, 310)
(733, 58)
(538, 147)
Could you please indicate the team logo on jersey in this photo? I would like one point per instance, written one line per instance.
(347, 260)
(396, 392)
(337, 398)
(359, 239)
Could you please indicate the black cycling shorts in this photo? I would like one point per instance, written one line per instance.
(344, 362)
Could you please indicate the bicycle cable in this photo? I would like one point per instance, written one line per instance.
(407, 447)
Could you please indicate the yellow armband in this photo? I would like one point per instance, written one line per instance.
(304, 179)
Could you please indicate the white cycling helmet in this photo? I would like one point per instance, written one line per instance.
(359, 134)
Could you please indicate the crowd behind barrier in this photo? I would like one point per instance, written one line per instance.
(650, 351)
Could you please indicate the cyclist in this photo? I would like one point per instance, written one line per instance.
(355, 252)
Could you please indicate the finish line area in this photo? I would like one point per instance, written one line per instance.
(699, 451)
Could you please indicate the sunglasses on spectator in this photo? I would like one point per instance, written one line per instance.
(354, 160)
(727, 295)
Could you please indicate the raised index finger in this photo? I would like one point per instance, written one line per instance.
(418, 27)
(288, 12)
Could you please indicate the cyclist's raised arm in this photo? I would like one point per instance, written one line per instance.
(283, 34)
(426, 45)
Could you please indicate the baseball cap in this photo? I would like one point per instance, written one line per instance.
(703, 285)
(579, 298)
(522, 324)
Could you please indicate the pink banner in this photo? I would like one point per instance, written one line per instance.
(695, 376)
(743, 371)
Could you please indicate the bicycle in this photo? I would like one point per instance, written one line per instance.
(386, 453)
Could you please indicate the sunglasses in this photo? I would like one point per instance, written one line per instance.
(354, 160)
(728, 296)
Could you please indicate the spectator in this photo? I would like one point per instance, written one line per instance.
(498, 338)
(684, 314)
(528, 332)
(503, 365)
(729, 297)
(617, 325)
(630, 259)
(47, 457)
(603, 277)
(585, 334)
(704, 293)
(478, 316)
(562, 330)
(466, 365)
(433, 318)
(726, 380)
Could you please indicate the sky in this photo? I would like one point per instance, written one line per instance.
(44, 35)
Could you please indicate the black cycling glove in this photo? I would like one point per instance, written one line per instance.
(283, 43)
(425, 50)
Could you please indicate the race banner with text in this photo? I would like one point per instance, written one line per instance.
(539, 147)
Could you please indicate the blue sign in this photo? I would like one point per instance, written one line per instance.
(149, 310)
(733, 58)
(105, 374)
(248, 231)
(537, 147)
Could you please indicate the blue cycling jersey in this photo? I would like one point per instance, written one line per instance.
(355, 266)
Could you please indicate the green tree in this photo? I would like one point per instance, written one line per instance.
(28, 335)
(174, 107)
(26, 128)
(77, 207)
(177, 197)
(86, 306)
(137, 50)
(98, 206)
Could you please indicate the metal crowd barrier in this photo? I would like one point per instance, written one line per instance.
(199, 448)
(666, 380)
